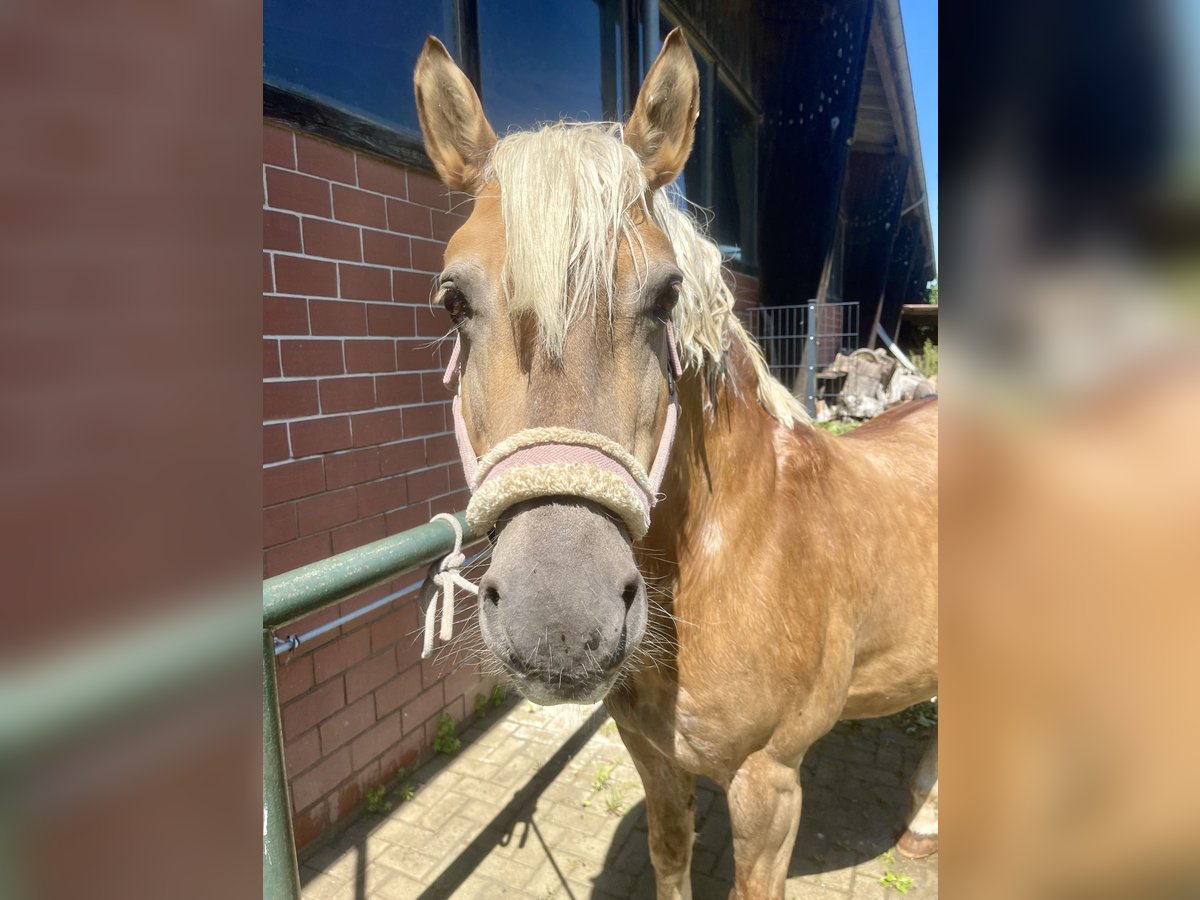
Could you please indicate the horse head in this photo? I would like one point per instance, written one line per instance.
(561, 287)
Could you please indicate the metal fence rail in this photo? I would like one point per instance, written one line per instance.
(798, 341)
(288, 597)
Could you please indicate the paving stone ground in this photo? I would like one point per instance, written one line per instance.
(544, 802)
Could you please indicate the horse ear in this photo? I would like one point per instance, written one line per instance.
(663, 123)
(457, 134)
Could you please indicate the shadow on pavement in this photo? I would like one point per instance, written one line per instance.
(856, 804)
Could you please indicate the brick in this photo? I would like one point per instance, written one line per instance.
(385, 249)
(354, 467)
(325, 511)
(321, 779)
(409, 218)
(433, 390)
(397, 390)
(376, 427)
(430, 483)
(434, 671)
(431, 322)
(291, 481)
(414, 514)
(324, 160)
(295, 554)
(281, 231)
(277, 147)
(445, 224)
(366, 676)
(275, 443)
(453, 501)
(412, 287)
(293, 675)
(301, 753)
(402, 457)
(365, 282)
(285, 315)
(312, 708)
(416, 356)
(462, 684)
(408, 655)
(381, 496)
(427, 191)
(427, 256)
(332, 239)
(345, 394)
(268, 282)
(271, 359)
(310, 824)
(359, 207)
(374, 741)
(337, 317)
(310, 277)
(346, 723)
(391, 320)
(340, 655)
(312, 436)
(415, 713)
(386, 178)
(442, 449)
(370, 356)
(312, 358)
(298, 193)
(397, 626)
(289, 399)
(355, 535)
(279, 524)
(422, 421)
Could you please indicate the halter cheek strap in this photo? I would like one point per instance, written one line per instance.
(541, 462)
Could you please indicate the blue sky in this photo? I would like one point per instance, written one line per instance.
(921, 36)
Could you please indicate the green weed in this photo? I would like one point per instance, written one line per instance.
(901, 883)
(376, 802)
(445, 741)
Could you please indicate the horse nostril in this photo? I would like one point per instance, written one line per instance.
(491, 595)
(630, 593)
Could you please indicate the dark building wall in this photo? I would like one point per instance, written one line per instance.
(813, 55)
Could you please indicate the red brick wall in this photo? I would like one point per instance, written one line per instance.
(357, 445)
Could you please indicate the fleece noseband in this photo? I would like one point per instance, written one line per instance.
(543, 462)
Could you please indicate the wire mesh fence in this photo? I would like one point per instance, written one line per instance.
(799, 341)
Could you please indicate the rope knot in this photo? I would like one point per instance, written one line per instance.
(445, 575)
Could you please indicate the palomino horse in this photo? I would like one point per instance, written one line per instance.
(787, 578)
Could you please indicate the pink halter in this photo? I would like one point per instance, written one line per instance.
(539, 462)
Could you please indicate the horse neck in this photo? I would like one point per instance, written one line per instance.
(724, 467)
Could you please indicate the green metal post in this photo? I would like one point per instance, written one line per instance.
(281, 877)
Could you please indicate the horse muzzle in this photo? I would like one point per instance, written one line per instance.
(562, 605)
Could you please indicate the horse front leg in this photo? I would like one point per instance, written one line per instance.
(670, 817)
(921, 837)
(764, 813)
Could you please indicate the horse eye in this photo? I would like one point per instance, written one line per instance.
(456, 304)
(668, 296)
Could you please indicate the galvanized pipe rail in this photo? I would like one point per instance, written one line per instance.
(298, 593)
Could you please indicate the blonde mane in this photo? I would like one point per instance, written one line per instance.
(567, 195)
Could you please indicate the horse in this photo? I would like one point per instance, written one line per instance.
(671, 534)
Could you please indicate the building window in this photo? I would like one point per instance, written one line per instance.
(734, 176)
(357, 57)
(721, 175)
(545, 60)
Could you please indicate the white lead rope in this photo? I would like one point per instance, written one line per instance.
(447, 576)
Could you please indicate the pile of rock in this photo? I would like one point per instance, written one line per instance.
(871, 381)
